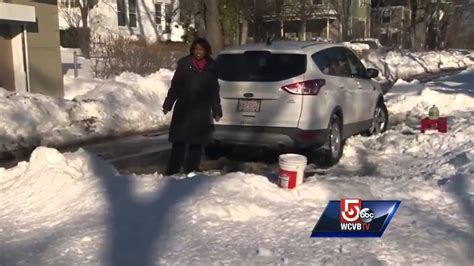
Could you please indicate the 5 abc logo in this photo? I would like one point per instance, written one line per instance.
(352, 212)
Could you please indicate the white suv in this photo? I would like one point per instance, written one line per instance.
(303, 95)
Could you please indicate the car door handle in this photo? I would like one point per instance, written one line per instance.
(341, 87)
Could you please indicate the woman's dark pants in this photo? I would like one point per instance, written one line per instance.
(191, 160)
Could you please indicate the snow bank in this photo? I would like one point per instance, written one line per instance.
(407, 65)
(95, 108)
(49, 185)
(415, 98)
(97, 216)
(358, 47)
(3, 91)
(78, 86)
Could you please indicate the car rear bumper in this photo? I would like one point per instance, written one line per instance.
(269, 136)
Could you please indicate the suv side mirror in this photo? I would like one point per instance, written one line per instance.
(372, 73)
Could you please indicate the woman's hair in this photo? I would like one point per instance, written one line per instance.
(203, 43)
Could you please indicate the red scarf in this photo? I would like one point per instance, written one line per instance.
(199, 64)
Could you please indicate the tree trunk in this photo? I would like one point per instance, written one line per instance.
(84, 32)
(438, 26)
(244, 31)
(213, 25)
(199, 11)
(303, 30)
(414, 7)
(344, 29)
(345, 15)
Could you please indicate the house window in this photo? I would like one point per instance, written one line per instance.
(132, 13)
(317, 2)
(121, 13)
(158, 14)
(69, 3)
(364, 3)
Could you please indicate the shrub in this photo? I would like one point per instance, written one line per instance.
(115, 54)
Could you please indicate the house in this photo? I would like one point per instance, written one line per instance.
(149, 19)
(308, 19)
(390, 21)
(29, 40)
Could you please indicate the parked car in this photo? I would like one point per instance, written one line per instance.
(308, 96)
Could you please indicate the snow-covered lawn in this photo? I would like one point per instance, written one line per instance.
(74, 209)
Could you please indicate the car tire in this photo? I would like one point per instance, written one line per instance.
(332, 151)
(379, 120)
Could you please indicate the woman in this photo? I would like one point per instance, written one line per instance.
(195, 90)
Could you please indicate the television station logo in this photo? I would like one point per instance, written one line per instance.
(355, 218)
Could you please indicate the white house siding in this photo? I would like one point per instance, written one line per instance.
(103, 19)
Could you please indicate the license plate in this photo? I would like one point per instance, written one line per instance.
(249, 106)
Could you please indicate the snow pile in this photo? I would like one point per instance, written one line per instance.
(358, 47)
(407, 65)
(48, 186)
(241, 217)
(79, 86)
(130, 103)
(3, 91)
(415, 98)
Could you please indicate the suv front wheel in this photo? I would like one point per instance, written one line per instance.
(379, 120)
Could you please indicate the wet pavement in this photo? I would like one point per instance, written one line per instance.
(149, 153)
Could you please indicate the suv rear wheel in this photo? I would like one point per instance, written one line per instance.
(331, 153)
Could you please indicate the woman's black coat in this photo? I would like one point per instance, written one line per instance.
(196, 94)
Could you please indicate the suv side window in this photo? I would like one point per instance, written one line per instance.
(333, 61)
(357, 68)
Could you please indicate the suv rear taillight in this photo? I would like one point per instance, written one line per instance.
(308, 87)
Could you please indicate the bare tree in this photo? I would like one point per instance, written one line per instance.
(461, 33)
(84, 7)
(71, 16)
(76, 15)
(343, 13)
(205, 16)
(248, 18)
(213, 25)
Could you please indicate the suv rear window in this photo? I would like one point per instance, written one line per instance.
(260, 66)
